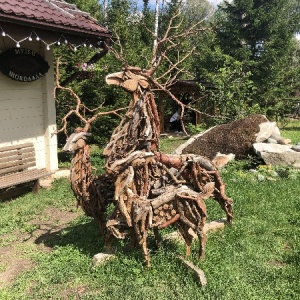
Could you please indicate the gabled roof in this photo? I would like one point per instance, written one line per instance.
(56, 16)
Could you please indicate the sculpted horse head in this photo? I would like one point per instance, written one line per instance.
(140, 128)
(132, 79)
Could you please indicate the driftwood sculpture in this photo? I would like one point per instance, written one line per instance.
(149, 190)
(152, 189)
(93, 193)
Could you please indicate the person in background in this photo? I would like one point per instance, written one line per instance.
(175, 121)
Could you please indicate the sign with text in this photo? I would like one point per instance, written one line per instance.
(23, 64)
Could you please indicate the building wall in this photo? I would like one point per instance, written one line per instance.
(27, 110)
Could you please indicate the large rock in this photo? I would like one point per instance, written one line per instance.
(273, 148)
(275, 154)
(266, 129)
(236, 137)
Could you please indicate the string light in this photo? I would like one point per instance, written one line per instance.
(48, 45)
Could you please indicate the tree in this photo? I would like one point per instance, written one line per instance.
(260, 34)
(90, 86)
(91, 6)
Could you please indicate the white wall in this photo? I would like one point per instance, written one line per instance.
(27, 110)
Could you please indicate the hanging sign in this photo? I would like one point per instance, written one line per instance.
(23, 64)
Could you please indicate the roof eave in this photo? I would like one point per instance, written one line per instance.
(63, 29)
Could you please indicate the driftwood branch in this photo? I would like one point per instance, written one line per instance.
(80, 108)
(147, 189)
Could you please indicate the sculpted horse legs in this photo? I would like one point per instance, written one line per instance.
(188, 238)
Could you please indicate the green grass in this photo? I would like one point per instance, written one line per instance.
(291, 131)
(255, 258)
(15, 214)
(168, 144)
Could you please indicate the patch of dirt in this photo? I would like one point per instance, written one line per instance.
(76, 292)
(14, 262)
(277, 264)
(14, 265)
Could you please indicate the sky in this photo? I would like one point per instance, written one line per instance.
(214, 2)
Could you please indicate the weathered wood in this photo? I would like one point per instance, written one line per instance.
(164, 198)
(17, 164)
(147, 190)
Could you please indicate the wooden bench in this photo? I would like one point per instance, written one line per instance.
(18, 166)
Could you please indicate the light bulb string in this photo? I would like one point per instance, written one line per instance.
(47, 44)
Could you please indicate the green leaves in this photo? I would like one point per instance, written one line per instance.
(256, 37)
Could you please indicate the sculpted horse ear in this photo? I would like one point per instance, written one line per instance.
(130, 85)
(144, 83)
(114, 78)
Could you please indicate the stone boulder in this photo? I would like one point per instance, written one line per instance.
(277, 155)
(101, 258)
(236, 137)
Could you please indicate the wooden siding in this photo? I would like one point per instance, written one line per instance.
(27, 112)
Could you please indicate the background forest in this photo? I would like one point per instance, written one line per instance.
(247, 50)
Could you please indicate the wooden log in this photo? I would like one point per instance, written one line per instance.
(171, 221)
(170, 195)
(161, 213)
(173, 212)
(164, 198)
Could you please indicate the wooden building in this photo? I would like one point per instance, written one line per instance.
(194, 90)
(28, 31)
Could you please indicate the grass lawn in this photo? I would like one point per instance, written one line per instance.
(47, 244)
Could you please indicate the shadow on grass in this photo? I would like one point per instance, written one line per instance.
(86, 237)
(291, 128)
(292, 258)
(14, 192)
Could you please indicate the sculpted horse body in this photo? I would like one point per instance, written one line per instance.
(152, 189)
(147, 188)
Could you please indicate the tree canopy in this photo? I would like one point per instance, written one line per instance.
(246, 49)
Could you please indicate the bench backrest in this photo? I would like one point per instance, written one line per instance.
(16, 158)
